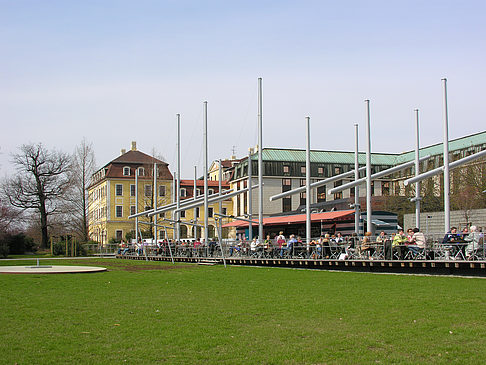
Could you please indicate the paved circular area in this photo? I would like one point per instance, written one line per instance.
(54, 269)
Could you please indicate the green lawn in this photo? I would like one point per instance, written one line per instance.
(151, 312)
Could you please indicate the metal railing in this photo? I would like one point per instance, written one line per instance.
(348, 249)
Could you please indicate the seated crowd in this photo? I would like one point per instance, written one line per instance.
(411, 245)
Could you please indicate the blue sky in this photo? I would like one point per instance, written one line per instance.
(117, 71)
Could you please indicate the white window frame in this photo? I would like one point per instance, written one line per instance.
(121, 211)
(116, 189)
(125, 169)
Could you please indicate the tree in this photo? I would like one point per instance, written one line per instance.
(39, 184)
(468, 184)
(82, 168)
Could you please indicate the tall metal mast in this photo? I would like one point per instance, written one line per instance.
(417, 170)
(155, 201)
(260, 161)
(205, 171)
(447, 219)
(178, 181)
(369, 225)
(307, 184)
(356, 178)
(250, 197)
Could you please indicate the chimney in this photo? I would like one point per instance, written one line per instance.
(123, 151)
(134, 146)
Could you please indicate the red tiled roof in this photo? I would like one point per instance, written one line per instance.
(294, 219)
(224, 184)
(137, 157)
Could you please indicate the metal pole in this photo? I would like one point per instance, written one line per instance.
(220, 177)
(447, 220)
(178, 181)
(136, 204)
(356, 177)
(250, 198)
(220, 232)
(174, 198)
(369, 226)
(260, 161)
(205, 169)
(308, 220)
(155, 201)
(417, 171)
(194, 198)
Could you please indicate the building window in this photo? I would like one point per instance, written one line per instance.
(224, 211)
(148, 191)
(320, 170)
(162, 190)
(337, 170)
(210, 191)
(119, 211)
(118, 234)
(183, 213)
(197, 212)
(132, 209)
(141, 171)
(118, 189)
(286, 169)
(162, 215)
(198, 191)
(287, 204)
(126, 171)
(321, 194)
(302, 170)
(132, 190)
(385, 188)
(210, 212)
(302, 198)
(183, 192)
(286, 185)
(338, 195)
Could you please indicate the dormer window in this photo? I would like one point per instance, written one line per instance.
(141, 171)
(126, 171)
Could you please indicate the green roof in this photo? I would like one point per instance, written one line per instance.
(336, 157)
(387, 159)
(454, 145)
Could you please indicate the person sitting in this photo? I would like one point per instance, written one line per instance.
(417, 244)
(288, 248)
(452, 236)
(473, 242)
(254, 247)
(381, 238)
(366, 249)
(267, 246)
(397, 244)
(280, 240)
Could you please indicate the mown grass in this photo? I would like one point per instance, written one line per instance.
(151, 312)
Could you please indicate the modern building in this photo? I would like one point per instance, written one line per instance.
(285, 169)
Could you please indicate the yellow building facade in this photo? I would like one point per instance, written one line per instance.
(113, 194)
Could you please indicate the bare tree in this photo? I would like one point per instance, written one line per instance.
(41, 180)
(83, 166)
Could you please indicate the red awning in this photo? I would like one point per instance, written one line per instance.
(294, 219)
